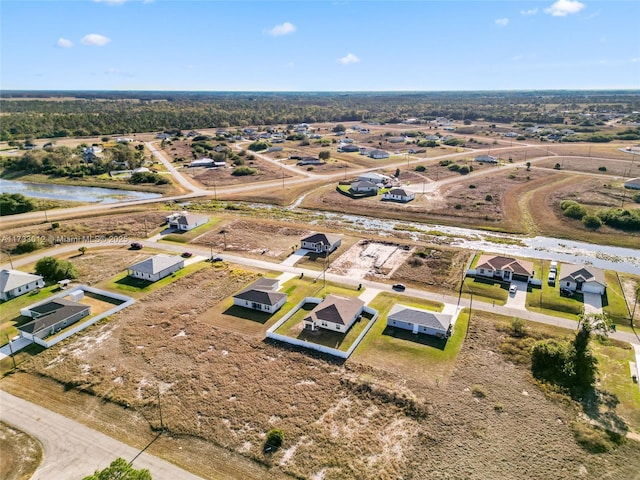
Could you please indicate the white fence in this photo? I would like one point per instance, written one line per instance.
(81, 324)
(271, 333)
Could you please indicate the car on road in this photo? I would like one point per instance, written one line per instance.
(136, 246)
(399, 286)
(513, 289)
(187, 254)
(216, 259)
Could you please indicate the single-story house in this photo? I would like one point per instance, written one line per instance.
(511, 134)
(156, 267)
(52, 316)
(321, 242)
(163, 136)
(14, 283)
(261, 295)
(334, 313)
(89, 154)
(418, 320)
(202, 162)
(274, 149)
(486, 159)
(310, 161)
(378, 154)
(396, 139)
(348, 148)
(374, 177)
(185, 221)
(364, 186)
(580, 278)
(346, 140)
(398, 195)
(506, 268)
(633, 183)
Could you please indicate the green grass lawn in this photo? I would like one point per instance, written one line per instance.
(613, 302)
(10, 310)
(615, 377)
(486, 289)
(547, 299)
(137, 288)
(186, 237)
(396, 350)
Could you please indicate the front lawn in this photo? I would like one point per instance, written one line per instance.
(186, 237)
(486, 289)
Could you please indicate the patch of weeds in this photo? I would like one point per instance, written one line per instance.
(478, 391)
(595, 439)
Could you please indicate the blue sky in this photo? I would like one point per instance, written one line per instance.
(319, 45)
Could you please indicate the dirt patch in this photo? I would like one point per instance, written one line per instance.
(21, 453)
(97, 265)
(368, 259)
(439, 267)
(260, 238)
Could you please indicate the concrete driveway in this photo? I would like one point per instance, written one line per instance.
(592, 302)
(296, 256)
(519, 299)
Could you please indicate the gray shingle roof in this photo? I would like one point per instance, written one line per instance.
(262, 291)
(322, 238)
(12, 279)
(336, 309)
(498, 262)
(156, 264)
(581, 273)
(54, 311)
(418, 316)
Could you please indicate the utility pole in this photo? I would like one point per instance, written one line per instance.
(633, 313)
(215, 194)
(160, 410)
(146, 234)
(10, 260)
(282, 168)
(11, 350)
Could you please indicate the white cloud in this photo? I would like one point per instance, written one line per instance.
(502, 22)
(349, 58)
(532, 11)
(635, 60)
(283, 29)
(111, 2)
(95, 40)
(64, 43)
(562, 8)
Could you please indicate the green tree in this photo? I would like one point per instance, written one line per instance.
(592, 221)
(15, 203)
(324, 155)
(120, 470)
(54, 269)
(82, 250)
(275, 439)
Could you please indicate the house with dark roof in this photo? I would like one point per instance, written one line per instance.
(321, 242)
(14, 283)
(633, 183)
(580, 278)
(334, 313)
(398, 195)
(261, 295)
(185, 221)
(378, 154)
(348, 148)
(505, 268)
(154, 268)
(51, 317)
(418, 320)
(486, 159)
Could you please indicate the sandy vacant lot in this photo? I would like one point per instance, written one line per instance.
(368, 259)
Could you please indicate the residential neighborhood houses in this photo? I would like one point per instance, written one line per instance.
(505, 268)
(52, 316)
(185, 221)
(580, 278)
(418, 320)
(334, 313)
(261, 295)
(321, 242)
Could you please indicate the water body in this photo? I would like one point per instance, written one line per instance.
(620, 259)
(73, 193)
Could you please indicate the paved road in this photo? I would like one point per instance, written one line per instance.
(72, 450)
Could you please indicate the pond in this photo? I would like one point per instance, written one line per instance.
(73, 193)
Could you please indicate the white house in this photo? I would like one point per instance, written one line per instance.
(511, 134)
(418, 320)
(364, 186)
(334, 313)
(506, 268)
(14, 283)
(321, 242)
(486, 159)
(51, 316)
(633, 183)
(261, 295)
(398, 195)
(378, 154)
(580, 278)
(156, 267)
(185, 221)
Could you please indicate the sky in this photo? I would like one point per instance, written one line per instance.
(318, 45)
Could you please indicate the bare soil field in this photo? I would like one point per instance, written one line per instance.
(260, 238)
(21, 454)
(619, 168)
(341, 421)
(547, 217)
(370, 260)
(210, 177)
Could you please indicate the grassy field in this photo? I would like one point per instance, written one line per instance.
(486, 289)
(21, 453)
(613, 301)
(547, 299)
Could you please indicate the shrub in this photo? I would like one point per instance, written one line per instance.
(258, 146)
(28, 246)
(454, 167)
(421, 168)
(603, 169)
(636, 198)
(148, 177)
(275, 439)
(594, 439)
(458, 206)
(518, 327)
(621, 218)
(557, 166)
(592, 221)
(489, 198)
(55, 225)
(464, 170)
(472, 186)
(14, 203)
(444, 163)
(242, 171)
(54, 269)
(478, 391)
